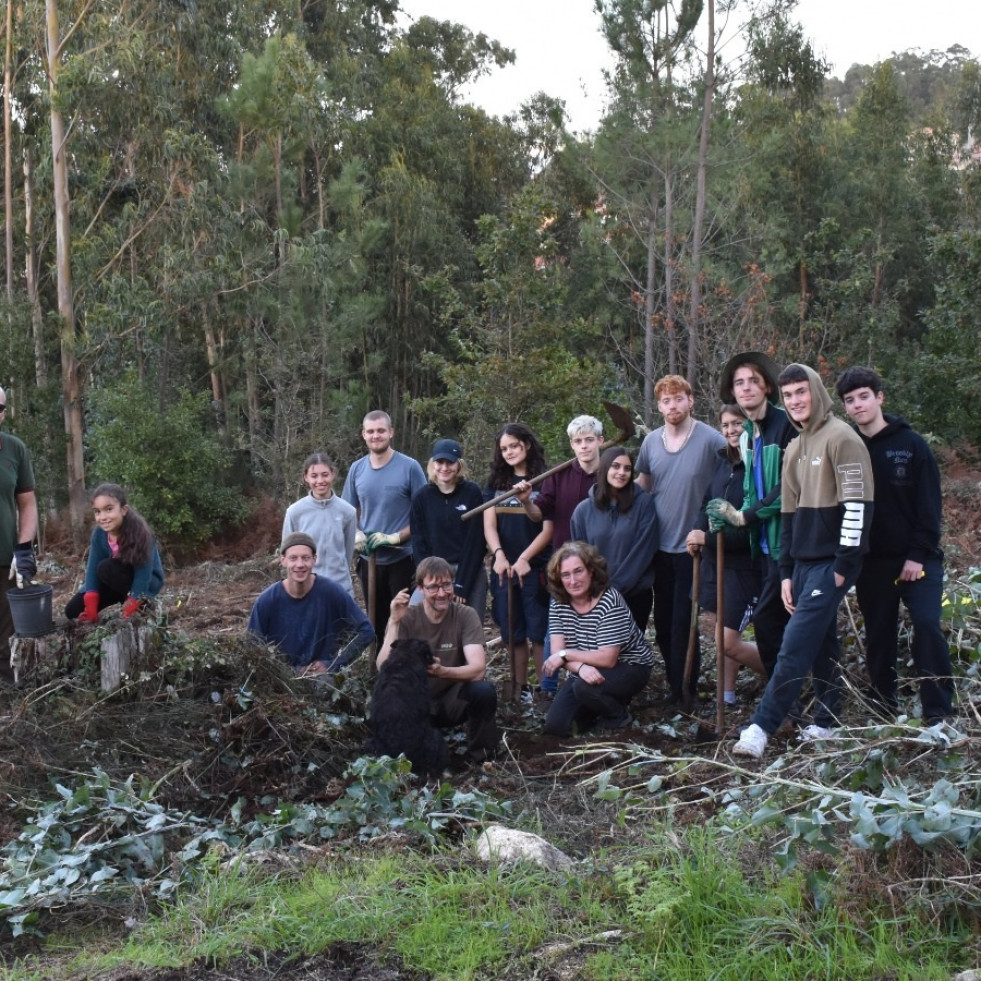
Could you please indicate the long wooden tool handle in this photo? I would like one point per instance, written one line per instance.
(480, 508)
(692, 632)
(558, 468)
(720, 633)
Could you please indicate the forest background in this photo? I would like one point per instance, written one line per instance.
(231, 229)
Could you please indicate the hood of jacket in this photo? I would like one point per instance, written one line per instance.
(821, 408)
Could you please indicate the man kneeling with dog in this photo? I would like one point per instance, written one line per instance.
(457, 689)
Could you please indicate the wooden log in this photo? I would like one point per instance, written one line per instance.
(121, 649)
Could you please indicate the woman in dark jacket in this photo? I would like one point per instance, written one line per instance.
(438, 528)
(619, 519)
(743, 574)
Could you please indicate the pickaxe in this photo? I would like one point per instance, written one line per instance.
(621, 417)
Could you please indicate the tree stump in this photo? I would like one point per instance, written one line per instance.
(120, 650)
(25, 653)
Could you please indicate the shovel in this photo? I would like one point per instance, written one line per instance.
(373, 600)
(720, 633)
(693, 631)
(511, 688)
(620, 416)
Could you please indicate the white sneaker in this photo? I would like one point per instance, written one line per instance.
(752, 742)
(810, 734)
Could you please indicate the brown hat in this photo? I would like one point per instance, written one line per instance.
(298, 538)
(768, 368)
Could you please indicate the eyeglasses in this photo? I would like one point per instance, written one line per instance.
(3, 408)
(438, 587)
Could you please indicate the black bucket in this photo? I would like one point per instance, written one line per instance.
(30, 609)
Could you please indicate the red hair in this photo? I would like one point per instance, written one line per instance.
(671, 385)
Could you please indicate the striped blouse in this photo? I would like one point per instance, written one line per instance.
(608, 624)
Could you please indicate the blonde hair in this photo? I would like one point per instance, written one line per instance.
(461, 474)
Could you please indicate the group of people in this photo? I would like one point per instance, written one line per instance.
(807, 506)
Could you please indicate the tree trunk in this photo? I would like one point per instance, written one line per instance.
(671, 307)
(649, 294)
(694, 316)
(30, 273)
(8, 170)
(71, 379)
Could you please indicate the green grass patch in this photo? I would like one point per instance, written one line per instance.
(710, 907)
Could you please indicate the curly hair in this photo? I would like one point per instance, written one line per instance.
(501, 472)
(590, 557)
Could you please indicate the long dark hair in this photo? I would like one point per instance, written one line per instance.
(602, 497)
(502, 473)
(734, 410)
(135, 539)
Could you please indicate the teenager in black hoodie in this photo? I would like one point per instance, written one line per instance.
(904, 561)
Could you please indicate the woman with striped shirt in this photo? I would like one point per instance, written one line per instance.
(596, 640)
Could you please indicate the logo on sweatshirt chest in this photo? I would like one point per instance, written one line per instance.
(900, 463)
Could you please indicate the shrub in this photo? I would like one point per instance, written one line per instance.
(174, 468)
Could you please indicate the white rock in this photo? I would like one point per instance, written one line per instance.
(505, 846)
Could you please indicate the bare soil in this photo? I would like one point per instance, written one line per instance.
(208, 599)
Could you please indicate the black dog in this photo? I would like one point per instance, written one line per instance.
(400, 721)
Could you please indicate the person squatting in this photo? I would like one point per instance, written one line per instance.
(576, 562)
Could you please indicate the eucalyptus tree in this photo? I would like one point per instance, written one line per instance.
(646, 150)
(71, 381)
(436, 167)
(787, 182)
(515, 353)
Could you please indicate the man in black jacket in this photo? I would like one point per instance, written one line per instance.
(905, 561)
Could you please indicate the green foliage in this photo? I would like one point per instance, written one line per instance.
(99, 840)
(516, 354)
(960, 617)
(706, 910)
(84, 844)
(946, 384)
(175, 469)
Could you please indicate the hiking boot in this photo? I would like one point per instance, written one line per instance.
(614, 722)
(527, 695)
(752, 742)
(812, 733)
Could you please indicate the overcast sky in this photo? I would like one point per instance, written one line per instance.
(560, 51)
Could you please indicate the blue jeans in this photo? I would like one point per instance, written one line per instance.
(810, 646)
(530, 612)
(878, 599)
(770, 616)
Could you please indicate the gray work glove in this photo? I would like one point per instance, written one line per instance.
(378, 539)
(721, 514)
(361, 543)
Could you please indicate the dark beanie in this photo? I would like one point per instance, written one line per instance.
(298, 538)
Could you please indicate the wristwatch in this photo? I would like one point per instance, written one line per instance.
(564, 654)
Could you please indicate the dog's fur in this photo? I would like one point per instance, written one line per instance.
(399, 714)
